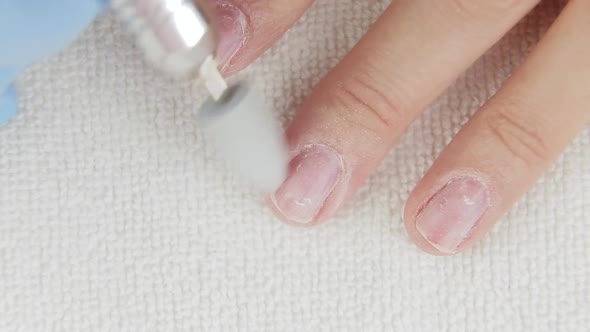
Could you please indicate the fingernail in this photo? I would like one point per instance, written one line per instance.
(232, 27)
(448, 218)
(313, 175)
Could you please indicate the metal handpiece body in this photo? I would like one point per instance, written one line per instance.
(174, 35)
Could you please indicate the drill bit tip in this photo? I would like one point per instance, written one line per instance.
(214, 81)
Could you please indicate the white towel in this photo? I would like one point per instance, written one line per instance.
(115, 216)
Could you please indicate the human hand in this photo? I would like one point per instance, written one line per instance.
(31, 30)
(409, 56)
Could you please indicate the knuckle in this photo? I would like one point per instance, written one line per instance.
(370, 104)
(522, 139)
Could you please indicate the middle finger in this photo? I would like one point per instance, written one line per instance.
(412, 53)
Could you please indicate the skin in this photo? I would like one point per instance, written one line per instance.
(375, 93)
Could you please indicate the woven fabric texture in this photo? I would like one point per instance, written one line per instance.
(116, 216)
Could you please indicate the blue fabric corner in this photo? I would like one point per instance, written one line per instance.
(8, 104)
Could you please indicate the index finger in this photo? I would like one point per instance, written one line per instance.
(247, 28)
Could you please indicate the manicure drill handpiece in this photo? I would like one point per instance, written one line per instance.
(177, 36)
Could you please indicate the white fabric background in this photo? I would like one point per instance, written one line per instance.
(115, 216)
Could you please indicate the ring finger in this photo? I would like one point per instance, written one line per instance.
(509, 143)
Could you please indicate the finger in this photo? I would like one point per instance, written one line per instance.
(413, 52)
(248, 27)
(506, 147)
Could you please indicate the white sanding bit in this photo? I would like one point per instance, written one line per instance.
(243, 129)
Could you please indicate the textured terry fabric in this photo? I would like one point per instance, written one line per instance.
(116, 216)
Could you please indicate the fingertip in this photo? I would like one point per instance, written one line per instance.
(276, 211)
(233, 29)
(307, 196)
(409, 213)
(246, 30)
(449, 211)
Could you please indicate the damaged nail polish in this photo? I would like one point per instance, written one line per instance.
(232, 27)
(313, 175)
(449, 217)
